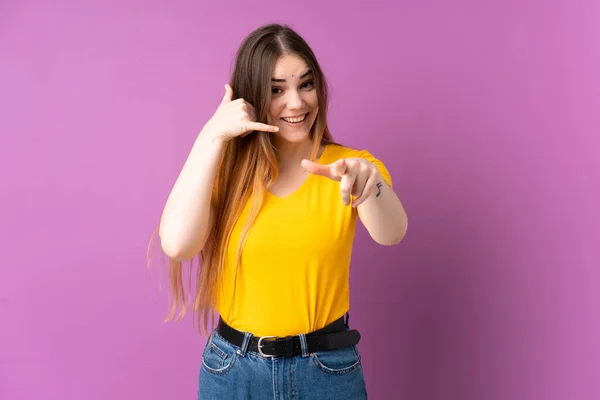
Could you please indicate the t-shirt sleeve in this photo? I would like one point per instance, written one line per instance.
(379, 164)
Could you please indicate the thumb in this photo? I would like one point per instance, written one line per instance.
(228, 94)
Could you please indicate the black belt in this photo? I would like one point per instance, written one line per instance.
(333, 336)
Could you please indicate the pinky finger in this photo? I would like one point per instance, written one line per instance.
(257, 126)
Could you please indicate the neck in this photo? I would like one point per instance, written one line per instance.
(290, 155)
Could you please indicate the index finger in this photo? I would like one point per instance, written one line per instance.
(327, 171)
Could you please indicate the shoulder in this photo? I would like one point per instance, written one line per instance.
(336, 151)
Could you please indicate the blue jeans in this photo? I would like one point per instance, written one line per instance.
(230, 372)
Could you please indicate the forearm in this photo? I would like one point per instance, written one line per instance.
(383, 214)
(185, 222)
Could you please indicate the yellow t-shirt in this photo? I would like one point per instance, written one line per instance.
(293, 276)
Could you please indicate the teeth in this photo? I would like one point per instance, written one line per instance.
(293, 120)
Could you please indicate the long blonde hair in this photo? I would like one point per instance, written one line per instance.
(248, 164)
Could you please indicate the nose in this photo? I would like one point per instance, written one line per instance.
(294, 100)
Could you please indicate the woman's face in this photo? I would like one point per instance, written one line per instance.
(293, 94)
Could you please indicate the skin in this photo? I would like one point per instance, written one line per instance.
(379, 208)
(296, 96)
(188, 214)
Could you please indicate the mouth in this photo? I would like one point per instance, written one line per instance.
(296, 120)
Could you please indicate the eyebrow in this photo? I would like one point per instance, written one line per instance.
(304, 75)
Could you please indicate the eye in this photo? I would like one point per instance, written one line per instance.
(275, 90)
(309, 84)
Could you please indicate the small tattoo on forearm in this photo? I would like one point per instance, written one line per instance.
(379, 185)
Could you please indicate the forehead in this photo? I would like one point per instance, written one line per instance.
(289, 66)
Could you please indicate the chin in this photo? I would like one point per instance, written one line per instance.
(292, 137)
(295, 135)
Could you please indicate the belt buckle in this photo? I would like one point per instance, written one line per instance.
(260, 345)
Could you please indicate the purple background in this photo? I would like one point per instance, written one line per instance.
(486, 113)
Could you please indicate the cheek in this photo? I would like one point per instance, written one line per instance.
(313, 100)
(271, 115)
(314, 113)
(273, 111)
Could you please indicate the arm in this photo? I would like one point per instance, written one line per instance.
(378, 206)
(383, 214)
(188, 215)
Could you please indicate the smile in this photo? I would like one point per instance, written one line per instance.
(295, 120)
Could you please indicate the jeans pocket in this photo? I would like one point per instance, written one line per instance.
(339, 361)
(219, 355)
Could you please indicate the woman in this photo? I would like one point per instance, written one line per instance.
(270, 203)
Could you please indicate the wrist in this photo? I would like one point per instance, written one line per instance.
(213, 135)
